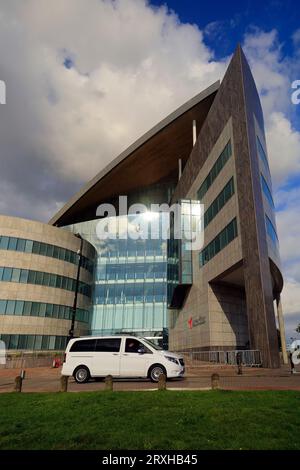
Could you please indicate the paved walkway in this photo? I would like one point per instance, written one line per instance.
(44, 379)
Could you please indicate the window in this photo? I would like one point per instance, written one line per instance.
(12, 245)
(219, 242)
(262, 155)
(133, 346)
(219, 202)
(19, 307)
(7, 273)
(108, 345)
(16, 275)
(267, 191)
(4, 243)
(2, 307)
(10, 309)
(84, 345)
(217, 167)
(271, 231)
(43, 249)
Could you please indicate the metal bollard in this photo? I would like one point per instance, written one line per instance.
(215, 381)
(64, 380)
(109, 383)
(162, 382)
(18, 384)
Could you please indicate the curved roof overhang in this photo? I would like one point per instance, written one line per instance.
(153, 158)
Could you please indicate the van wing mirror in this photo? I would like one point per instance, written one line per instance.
(141, 351)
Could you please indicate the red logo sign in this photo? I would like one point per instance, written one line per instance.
(190, 322)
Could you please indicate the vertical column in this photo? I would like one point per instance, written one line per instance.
(281, 329)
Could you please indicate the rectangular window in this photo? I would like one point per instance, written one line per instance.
(30, 342)
(24, 276)
(7, 273)
(39, 278)
(262, 154)
(108, 345)
(4, 243)
(29, 246)
(49, 309)
(36, 248)
(42, 310)
(16, 275)
(217, 167)
(85, 345)
(31, 277)
(19, 307)
(267, 191)
(12, 245)
(2, 307)
(218, 243)
(271, 231)
(21, 244)
(27, 308)
(219, 202)
(43, 249)
(10, 308)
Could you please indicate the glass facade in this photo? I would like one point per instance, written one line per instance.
(44, 249)
(130, 276)
(271, 231)
(40, 309)
(267, 191)
(219, 242)
(219, 202)
(35, 342)
(217, 167)
(27, 276)
(179, 269)
(262, 155)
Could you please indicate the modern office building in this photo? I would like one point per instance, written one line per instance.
(210, 153)
(38, 272)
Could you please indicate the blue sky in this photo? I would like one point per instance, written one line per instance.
(238, 17)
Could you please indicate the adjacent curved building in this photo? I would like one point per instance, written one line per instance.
(210, 153)
(38, 271)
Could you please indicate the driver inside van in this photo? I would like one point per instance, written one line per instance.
(132, 346)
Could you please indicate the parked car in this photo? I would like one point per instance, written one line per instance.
(119, 356)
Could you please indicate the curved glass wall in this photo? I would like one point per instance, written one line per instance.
(41, 309)
(35, 342)
(44, 249)
(130, 276)
(28, 276)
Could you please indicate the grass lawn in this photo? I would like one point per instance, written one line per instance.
(150, 420)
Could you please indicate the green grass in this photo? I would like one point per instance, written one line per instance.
(151, 420)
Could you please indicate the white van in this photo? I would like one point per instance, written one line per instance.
(119, 356)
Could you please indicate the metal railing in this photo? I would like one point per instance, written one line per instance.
(249, 358)
(28, 359)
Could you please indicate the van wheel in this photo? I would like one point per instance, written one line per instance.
(156, 371)
(81, 374)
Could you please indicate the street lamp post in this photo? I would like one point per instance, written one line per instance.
(79, 253)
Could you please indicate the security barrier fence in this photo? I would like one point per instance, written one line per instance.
(26, 359)
(249, 358)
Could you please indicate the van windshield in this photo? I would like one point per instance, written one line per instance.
(153, 345)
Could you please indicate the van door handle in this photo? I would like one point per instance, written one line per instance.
(125, 354)
(115, 354)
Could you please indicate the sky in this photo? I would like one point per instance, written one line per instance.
(81, 73)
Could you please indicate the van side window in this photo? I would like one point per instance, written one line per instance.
(133, 346)
(108, 345)
(84, 345)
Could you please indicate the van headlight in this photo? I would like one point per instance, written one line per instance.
(171, 359)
